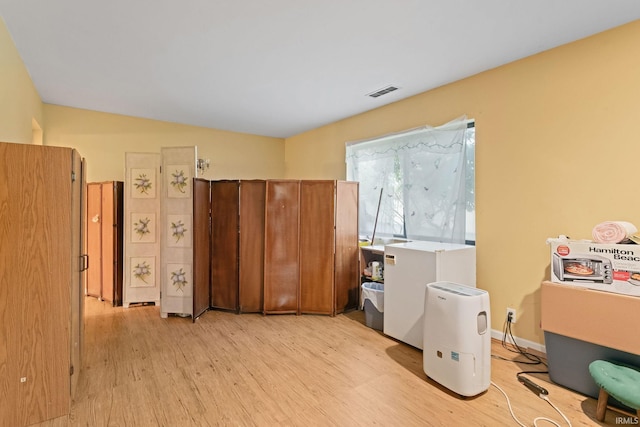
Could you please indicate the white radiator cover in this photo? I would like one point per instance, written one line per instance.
(457, 337)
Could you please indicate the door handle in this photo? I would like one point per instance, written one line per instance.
(84, 262)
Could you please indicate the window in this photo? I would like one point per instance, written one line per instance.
(470, 184)
(418, 184)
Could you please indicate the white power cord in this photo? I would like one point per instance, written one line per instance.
(535, 421)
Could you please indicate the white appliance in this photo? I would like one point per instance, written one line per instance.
(408, 267)
(457, 340)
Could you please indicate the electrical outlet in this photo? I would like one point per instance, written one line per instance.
(512, 312)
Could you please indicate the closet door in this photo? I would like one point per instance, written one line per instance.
(78, 266)
(224, 247)
(94, 239)
(281, 265)
(36, 260)
(108, 219)
(105, 240)
(251, 289)
(108, 241)
(201, 247)
(317, 244)
(347, 269)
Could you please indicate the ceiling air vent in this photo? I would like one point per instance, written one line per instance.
(382, 91)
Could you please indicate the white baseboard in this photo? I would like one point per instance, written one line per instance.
(522, 343)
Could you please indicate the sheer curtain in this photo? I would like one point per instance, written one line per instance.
(421, 174)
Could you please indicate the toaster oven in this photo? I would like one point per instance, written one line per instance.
(583, 268)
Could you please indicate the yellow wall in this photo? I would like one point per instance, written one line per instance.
(557, 149)
(20, 103)
(102, 139)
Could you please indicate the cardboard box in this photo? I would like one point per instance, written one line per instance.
(600, 318)
(610, 268)
(582, 325)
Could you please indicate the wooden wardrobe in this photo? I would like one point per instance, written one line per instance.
(41, 290)
(105, 207)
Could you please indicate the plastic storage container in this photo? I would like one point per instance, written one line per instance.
(373, 297)
(569, 360)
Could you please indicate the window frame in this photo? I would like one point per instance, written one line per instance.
(470, 236)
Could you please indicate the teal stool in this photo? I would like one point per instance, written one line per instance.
(620, 382)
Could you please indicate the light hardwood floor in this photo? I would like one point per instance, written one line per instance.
(282, 370)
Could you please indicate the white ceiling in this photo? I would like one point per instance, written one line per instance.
(279, 67)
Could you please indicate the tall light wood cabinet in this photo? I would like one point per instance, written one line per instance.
(105, 201)
(41, 265)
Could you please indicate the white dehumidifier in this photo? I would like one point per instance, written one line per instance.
(457, 338)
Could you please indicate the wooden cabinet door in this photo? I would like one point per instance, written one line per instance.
(78, 261)
(347, 269)
(108, 240)
(105, 240)
(94, 239)
(224, 244)
(281, 266)
(251, 275)
(201, 247)
(118, 242)
(36, 282)
(317, 244)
